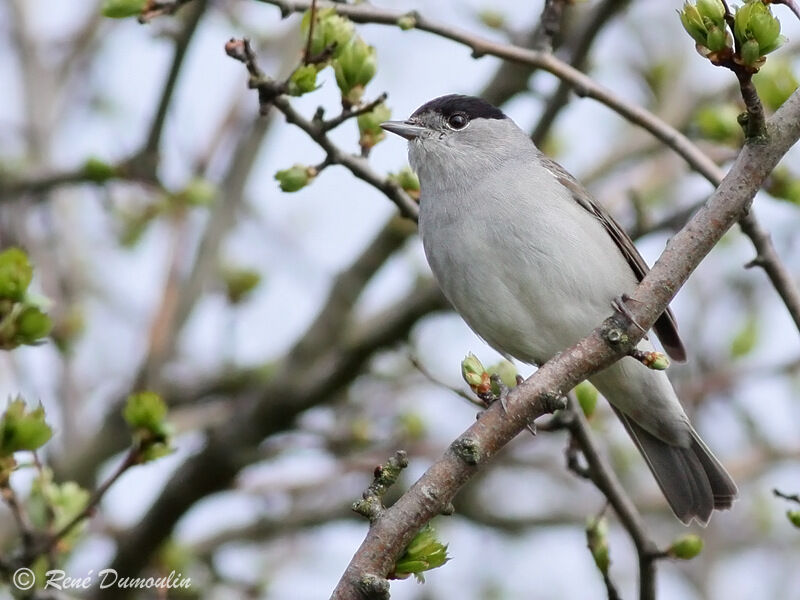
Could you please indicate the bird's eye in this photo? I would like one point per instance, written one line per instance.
(458, 121)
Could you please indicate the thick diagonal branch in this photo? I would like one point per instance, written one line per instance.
(389, 534)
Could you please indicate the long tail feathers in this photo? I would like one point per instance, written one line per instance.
(692, 479)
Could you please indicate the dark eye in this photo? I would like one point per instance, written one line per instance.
(458, 121)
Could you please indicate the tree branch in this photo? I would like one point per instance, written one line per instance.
(583, 86)
(390, 533)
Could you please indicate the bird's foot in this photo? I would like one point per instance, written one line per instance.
(618, 304)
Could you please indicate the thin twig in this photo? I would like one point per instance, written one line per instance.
(349, 113)
(790, 497)
(313, 17)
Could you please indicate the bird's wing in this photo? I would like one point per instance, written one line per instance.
(665, 327)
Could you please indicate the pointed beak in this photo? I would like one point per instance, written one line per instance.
(404, 129)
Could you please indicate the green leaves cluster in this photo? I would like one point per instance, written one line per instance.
(424, 553)
(146, 413)
(334, 42)
(21, 321)
(705, 22)
(756, 32)
(22, 429)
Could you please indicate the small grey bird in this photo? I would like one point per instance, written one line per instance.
(532, 263)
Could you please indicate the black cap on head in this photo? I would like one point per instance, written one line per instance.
(472, 107)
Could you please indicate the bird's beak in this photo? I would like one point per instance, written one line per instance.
(404, 129)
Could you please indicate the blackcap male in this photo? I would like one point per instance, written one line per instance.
(533, 264)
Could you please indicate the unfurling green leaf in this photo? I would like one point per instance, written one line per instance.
(295, 178)
(369, 126)
(586, 394)
(119, 9)
(145, 413)
(22, 429)
(303, 80)
(473, 372)
(331, 32)
(145, 410)
(54, 505)
(355, 66)
(408, 180)
(758, 32)
(15, 274)
(31, 325)
(424, 553)
(686, 547)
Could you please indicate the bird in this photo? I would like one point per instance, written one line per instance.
(533, 263)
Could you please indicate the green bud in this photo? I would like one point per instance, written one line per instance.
(369, 126)
(303, 80)
(686, 547)
(354, 68)
(587, 395)
(407, 179)
(119, 9)
(745, 340)
(21, 429)
(407, 22)
(472, 371)
(424, 553)
(198, 192)
(493, 19)
(412, 425)
(713, 10)
(692, 22)
(331, 31)
(53, 505)
(15, 274)
(718, 122)
(782, 184)
(32, 325)
(766, 28)
(750, 53)
(717, 38)
(98, 170)
(757, 30)
(146, 411)
(775, 83)
(295, 178)
(507, 372)
(239, 283)
(794, 517)
(597, 540)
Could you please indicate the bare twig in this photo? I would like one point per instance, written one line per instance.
(791, 497)
(312, 18)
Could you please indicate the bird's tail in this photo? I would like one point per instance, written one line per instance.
(692, 479)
